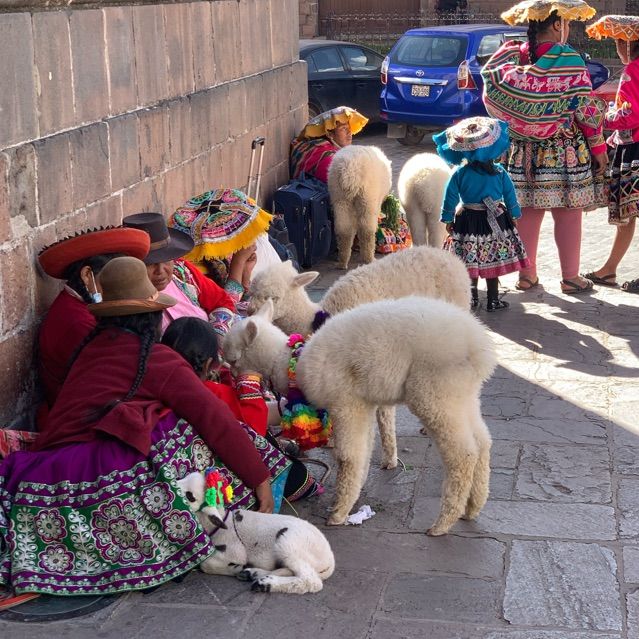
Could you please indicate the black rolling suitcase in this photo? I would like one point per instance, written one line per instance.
(304, 203)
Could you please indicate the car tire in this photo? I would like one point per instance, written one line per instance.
(313, 111)
(412, 137)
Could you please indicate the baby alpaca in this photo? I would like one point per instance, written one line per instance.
(426, 353)
(277, 553)
(359, 178)
(421, 185)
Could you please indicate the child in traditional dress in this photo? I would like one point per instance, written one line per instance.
(623, 119)
(197, 342)
(482, 233)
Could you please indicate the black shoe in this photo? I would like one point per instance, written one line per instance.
(496, 305)
(474, 297)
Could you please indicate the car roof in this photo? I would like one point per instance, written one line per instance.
(317, 43)
(465, 28)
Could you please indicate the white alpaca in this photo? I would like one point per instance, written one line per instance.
(426, 353)
(359, 178)
(276, 552)
(423, 271)
(421, 185)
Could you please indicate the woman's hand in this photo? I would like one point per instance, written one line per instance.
(450, 227)
(599, 163)
(249, 265)
(265, 497)
(238, 262)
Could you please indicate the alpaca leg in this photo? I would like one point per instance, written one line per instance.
(456, 443)
(417, 223)
(345, 233)
(366, 245)
(481, 476)
(305, 579)
(253, 574)
(368, 212)
(351, 431)
(436, 230)
(386, 423)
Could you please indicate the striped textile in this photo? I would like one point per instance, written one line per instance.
(538, 99)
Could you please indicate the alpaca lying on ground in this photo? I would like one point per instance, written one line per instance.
(276, 552)
(423, 271)
(426, 353)
(359, 178)
(421, 185)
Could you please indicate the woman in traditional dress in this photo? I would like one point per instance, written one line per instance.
(558, 155)
(623, 118)
(94, 507)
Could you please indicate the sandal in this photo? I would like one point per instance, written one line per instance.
(631, 287)
(529, 283)
(576, 289)
(603, 280)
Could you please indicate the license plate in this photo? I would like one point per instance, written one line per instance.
(420, 90)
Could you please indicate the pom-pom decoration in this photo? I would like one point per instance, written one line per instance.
(218, 490)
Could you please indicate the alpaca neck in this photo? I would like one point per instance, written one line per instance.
(304, 315)
(278, 369)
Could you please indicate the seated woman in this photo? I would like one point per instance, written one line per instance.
(312, 152)
(228, 230)
(196, 295)
(197, 342)
(77, 260)
(94, 508)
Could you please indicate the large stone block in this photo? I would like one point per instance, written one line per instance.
(124, 150)
(257, 96)
(226, 27)
(90, 164)
(53, 157)
(181, 133)
(154, 140)
(18, 96)
(284, 35)
(255, 39)
(150, 57)
(22, 183)
(105, 213)
(204, 51)
(628, 502)
(123, 92)
(277, 92)
(5, 211)
(143, 196)
(299, 85)
(17, 289)
(212, 169)
(89, 65)
(53, 68)
(202, 121)
(16, 359)
(238, 98)
(179, 48)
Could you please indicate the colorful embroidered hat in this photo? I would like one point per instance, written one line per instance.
(56, 258)
(539, 10)
(478, 139)
(127, 290)
(166, 244)
(220, 223)
(617, 27)
(328, 120)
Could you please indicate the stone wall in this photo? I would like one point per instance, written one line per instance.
(113, 110)
(309, 18)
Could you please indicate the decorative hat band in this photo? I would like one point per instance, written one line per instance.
(160, 243)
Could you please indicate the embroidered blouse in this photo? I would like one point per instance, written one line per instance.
(623, 115)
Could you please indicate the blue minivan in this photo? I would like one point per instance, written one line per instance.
(431, 76)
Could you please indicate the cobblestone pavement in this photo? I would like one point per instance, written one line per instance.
(554, 554)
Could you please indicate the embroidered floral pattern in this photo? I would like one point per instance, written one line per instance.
(49, 525)
(157, 499)
(56, 558)
(178, 526)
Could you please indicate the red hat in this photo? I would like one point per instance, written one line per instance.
(55, 259)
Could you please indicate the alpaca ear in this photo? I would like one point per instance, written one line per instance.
(216, 521)
(304, 279)
(250, 332)
(266, 310)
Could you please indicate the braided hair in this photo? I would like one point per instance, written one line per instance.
(194, 339)
(535, 27)
(146, 326)
(96, 264)
(484, 167)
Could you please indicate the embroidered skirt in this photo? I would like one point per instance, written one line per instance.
(484, 253)
(388, 240)
(556, 173)
(623, 200)
(99, 517)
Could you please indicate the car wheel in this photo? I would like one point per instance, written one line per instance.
(412, 137)
(313, 111)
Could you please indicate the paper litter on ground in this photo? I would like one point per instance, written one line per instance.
(364, 513)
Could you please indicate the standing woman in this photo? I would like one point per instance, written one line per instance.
(623, 118)
(558, 155)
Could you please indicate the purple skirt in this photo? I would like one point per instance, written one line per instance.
(100, 517)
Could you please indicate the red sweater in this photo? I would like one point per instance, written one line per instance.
(105, 370)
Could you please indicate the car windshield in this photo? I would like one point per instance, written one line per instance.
(430, 50)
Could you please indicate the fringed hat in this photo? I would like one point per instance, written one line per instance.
(476, 139)
(539, 10)
(617, 27)
(56, 258)
(127, 290)
(220, 222)
(328, 120)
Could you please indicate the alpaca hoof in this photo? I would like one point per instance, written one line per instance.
(246, 575)
(389, 464)
(470, 515)
(336, 520)
(424, 431)
(343, 267)
(262, 585)
(436, 532)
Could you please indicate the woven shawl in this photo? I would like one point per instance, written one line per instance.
(537, 99)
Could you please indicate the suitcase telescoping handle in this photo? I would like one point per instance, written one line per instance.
(258, 176)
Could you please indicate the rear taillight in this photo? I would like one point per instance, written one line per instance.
(465, 77)
(384, 70)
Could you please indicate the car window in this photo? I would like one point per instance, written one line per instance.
(488, 45)
(430, 50)
(325, 60)
(509, 37)
(359, 59)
